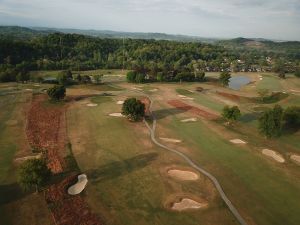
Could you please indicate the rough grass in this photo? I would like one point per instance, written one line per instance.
(270, 82)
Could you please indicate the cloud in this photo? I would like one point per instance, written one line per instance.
(226, 18)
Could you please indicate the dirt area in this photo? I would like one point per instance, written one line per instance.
(229, 96)
(46, 131)
(147, 102)
(274, 155)
(192, 109)
(183, 174)
(238, 141)
(66, 209)
(171, 140)
(186, 203)
(295, 158)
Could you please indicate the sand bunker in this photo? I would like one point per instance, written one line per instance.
(193, 119)
(183, 174)
(138, 89)
(91, 105)
(295, 158)
(11, 122)
(185, 97)
(154, 90)
(274, 155)
(116, 114)
(187, 203)
(238, 141)
(22, 159)
(28, 89)
(37, 85)
(79, 186)
(170, 140)
(120, 102)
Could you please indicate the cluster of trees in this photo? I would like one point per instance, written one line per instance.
(160, 60)
(133, 109)
(273, 120)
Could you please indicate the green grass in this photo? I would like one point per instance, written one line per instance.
(270, 82)
(202, 99)
(257, 187)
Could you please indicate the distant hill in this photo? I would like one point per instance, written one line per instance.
(26, 33)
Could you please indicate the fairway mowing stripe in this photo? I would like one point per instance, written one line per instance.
(191, 163)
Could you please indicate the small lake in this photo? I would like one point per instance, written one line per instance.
(237, 82)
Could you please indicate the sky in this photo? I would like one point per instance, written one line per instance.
(272, 19)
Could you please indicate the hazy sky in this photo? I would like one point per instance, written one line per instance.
(277, 19)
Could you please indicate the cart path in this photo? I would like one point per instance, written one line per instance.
(191, 163)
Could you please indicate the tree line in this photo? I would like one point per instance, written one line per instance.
(156, 58)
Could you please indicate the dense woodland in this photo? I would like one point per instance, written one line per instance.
(157, 59)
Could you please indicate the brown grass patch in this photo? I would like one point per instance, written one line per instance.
(194, 110)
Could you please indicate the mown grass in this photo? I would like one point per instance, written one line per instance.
(202, 99)
(126, 185)
(257, 187)
(270, 82)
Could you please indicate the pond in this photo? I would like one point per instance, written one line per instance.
(237, 82)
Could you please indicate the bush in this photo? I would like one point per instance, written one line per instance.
(291, 116)
(134, 109)
(57, 92)
(231, 113)
(270, 123)
(140, 78)
(185, 76)
(65, 77)
(297, 73)
(131, 75)
(33, 173)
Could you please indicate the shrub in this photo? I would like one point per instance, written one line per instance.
(57, 92)
(231, 113)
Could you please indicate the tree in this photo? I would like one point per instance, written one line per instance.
(270, 123)
(134, 109)
(291, 116)
(98, 78)
(33, 173)
(224, 78)
(263, 93)
(140, 78)
(200, 76)
(297, 72)
(231, 113)
(57, 92)
(65, 77)
(23, 76)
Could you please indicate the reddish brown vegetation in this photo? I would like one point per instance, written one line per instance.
(67, 209)
(196, 111)
(46, 130)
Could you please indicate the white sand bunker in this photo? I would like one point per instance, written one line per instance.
(170, 140)
(185, 97)
(154, 90)
(193, 119)
(91, 105)
(23, 159)
(120, 102)
(28, 89)
(295, 158)
(79, 186)
(238, 141)
(136, 88)
(183, 174)
(11, 122)
(37, 85)
(187, 203)
(116, 114)
(274, 155)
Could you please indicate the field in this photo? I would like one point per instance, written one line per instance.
(129, 180)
